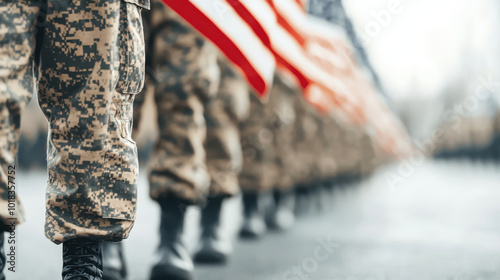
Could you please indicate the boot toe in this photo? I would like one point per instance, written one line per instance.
(112, 274)
(253, 228)
(213, 251)
(170, 272)
(173, 263)
(210, 256)
(281, 220)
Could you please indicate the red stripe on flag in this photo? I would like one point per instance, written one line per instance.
(246, 15)
(210, 30)
(287, 26)
(303, 80)
(301, 5)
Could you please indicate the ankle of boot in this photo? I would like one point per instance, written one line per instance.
(82, 256)
(171, 202)
(210, 214)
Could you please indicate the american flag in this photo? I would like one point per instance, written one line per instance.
(262, 36)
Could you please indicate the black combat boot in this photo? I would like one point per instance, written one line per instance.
(214, 247)
(113, 261)
(281, 217)
(173, 261)
(254, 225)
(82, 259)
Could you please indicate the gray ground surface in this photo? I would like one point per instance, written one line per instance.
(441, 222)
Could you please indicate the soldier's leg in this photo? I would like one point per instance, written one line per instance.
(306, 167)
(187, 74)
(257, 175)
(114, 263)
(223, 114)
(224, 160)
(92, 66)
(18, 26)
(282, 121)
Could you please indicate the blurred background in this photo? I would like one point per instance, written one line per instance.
(438, 63)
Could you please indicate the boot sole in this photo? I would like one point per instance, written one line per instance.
(170, 273)
(245, 234)
(210, 258)
(115, 275)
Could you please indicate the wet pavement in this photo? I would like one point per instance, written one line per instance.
(440, 222)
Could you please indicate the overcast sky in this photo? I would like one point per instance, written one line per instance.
(425, 44)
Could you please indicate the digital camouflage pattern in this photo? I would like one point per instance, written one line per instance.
(281, 121)
(184, 67)
(326, 140)
(268, 140)
(92, 64)
(305, 135)
(17, 44)
(223, 114)
(259, 166)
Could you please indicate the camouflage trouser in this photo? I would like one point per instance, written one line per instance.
(259, 166)
(305, 134)
(281, 122)
(223, 114)
(267, 140)
(326, 143)
(92, 64)
(187, 78)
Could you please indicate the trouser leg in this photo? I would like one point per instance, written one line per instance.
(18, 27)
(92, 66)
(186, 70)
(223, 146)
(258, 171)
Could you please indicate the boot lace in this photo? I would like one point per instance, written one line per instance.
(82, 260)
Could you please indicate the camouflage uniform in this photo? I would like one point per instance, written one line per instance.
(326, 134)
(185, 67)
(92, 64)
(268, 139)
(281, 121)
(259, 166)
(305, 131)
(223, 115)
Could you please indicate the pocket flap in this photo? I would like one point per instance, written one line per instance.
(141, 3)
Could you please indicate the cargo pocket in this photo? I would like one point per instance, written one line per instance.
(131, 47)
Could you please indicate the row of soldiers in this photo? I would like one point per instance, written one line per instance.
(218, 139)
(474, 138)
(86, 61)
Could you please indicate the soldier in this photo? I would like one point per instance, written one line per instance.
(281, 122)
(190, 165)
(224, 158)
(88, 57)
(256, 177)
(267, 139)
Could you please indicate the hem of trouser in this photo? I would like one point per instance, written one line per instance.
(259, 192)
(216, 190)
(223, 193)
(226, 193)
(254, 185)
(219, 195)
(114, 234)
(190, 197)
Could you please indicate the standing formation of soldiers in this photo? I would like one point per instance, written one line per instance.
(87, 59)
(218, 139)
(470, 137)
